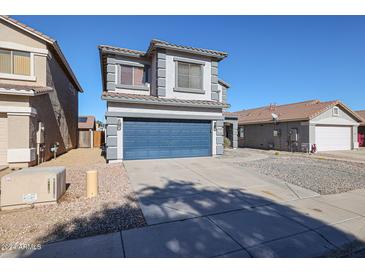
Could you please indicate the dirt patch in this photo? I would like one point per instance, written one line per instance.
(75, 216)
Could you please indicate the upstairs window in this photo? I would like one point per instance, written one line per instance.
(132, 76)
(189, 76)
(15, 62)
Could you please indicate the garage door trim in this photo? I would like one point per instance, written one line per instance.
(166, 138)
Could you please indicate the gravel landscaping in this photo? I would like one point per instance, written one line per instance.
(75, 216)
(322, 176)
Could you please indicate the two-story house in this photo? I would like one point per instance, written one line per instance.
(38, 96)
(165, 102)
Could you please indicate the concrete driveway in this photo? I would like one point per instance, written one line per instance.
(211, 207)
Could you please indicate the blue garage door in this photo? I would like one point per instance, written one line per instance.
(162, 138)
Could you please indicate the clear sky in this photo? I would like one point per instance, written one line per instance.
(272, 59)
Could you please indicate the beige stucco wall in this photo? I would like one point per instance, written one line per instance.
(12, 100)
(10, 34)
(58, 110)
(18, 131)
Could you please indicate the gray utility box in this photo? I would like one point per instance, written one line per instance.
(32, 186)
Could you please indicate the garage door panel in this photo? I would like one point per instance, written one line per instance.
(330, 138)
(153, 139)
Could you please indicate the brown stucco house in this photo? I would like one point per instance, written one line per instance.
(38, 96)
(298, 126)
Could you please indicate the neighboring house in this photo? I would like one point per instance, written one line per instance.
(164, 102)
(361, 130)
(38, 96)
(87, 126)
(296, 127)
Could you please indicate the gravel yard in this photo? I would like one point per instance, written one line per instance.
(76, 216)
(322, 176)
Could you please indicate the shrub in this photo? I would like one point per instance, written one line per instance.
(227, 142)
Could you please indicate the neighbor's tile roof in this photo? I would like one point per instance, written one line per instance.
(291, 112)
(89, 124)
(36, 89)
(155, 43)
(361, 113)
(136, 98)
(49, 40)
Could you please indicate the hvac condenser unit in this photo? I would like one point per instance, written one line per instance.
(32, 186)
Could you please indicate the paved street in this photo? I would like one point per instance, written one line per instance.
(211, 207)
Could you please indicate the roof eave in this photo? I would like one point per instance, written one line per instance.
(272, 122)
(191, 51)
(64, 60)
(142, 101)
(127, 54)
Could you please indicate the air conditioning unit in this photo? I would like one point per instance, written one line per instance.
(32, 186)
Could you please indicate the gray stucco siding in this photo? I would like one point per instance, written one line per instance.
(261, 136)
(214, 81)
(112, 141)
(111, 153)
(161, 73)
(111, 130)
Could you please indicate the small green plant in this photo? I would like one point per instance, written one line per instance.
(277, 153)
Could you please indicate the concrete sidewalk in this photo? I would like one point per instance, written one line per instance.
(311, 227)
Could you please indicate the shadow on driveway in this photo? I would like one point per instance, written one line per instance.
(209, 222)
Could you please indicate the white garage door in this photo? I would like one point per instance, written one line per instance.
(333, 138)
(3, 139)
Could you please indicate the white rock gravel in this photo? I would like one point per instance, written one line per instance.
(76, 216)
(322, 176)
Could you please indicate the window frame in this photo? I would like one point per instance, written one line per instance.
(12, 75)
(185, 89)
(145, 79)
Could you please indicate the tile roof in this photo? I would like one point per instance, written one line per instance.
(148, 99)
(117, 50)
(47, 39)
(37, 90)
(155, 43)
(361, 113)
(88, 124)
(290, 112)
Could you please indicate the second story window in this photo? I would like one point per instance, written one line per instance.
(15, 62)
(189, 76)
(132, 76)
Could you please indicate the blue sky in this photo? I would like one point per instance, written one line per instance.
(272, 59)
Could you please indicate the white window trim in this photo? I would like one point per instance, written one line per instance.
(16, 46)
(334, 113)
(12, 76)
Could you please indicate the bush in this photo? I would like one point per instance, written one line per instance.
(227, 142)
